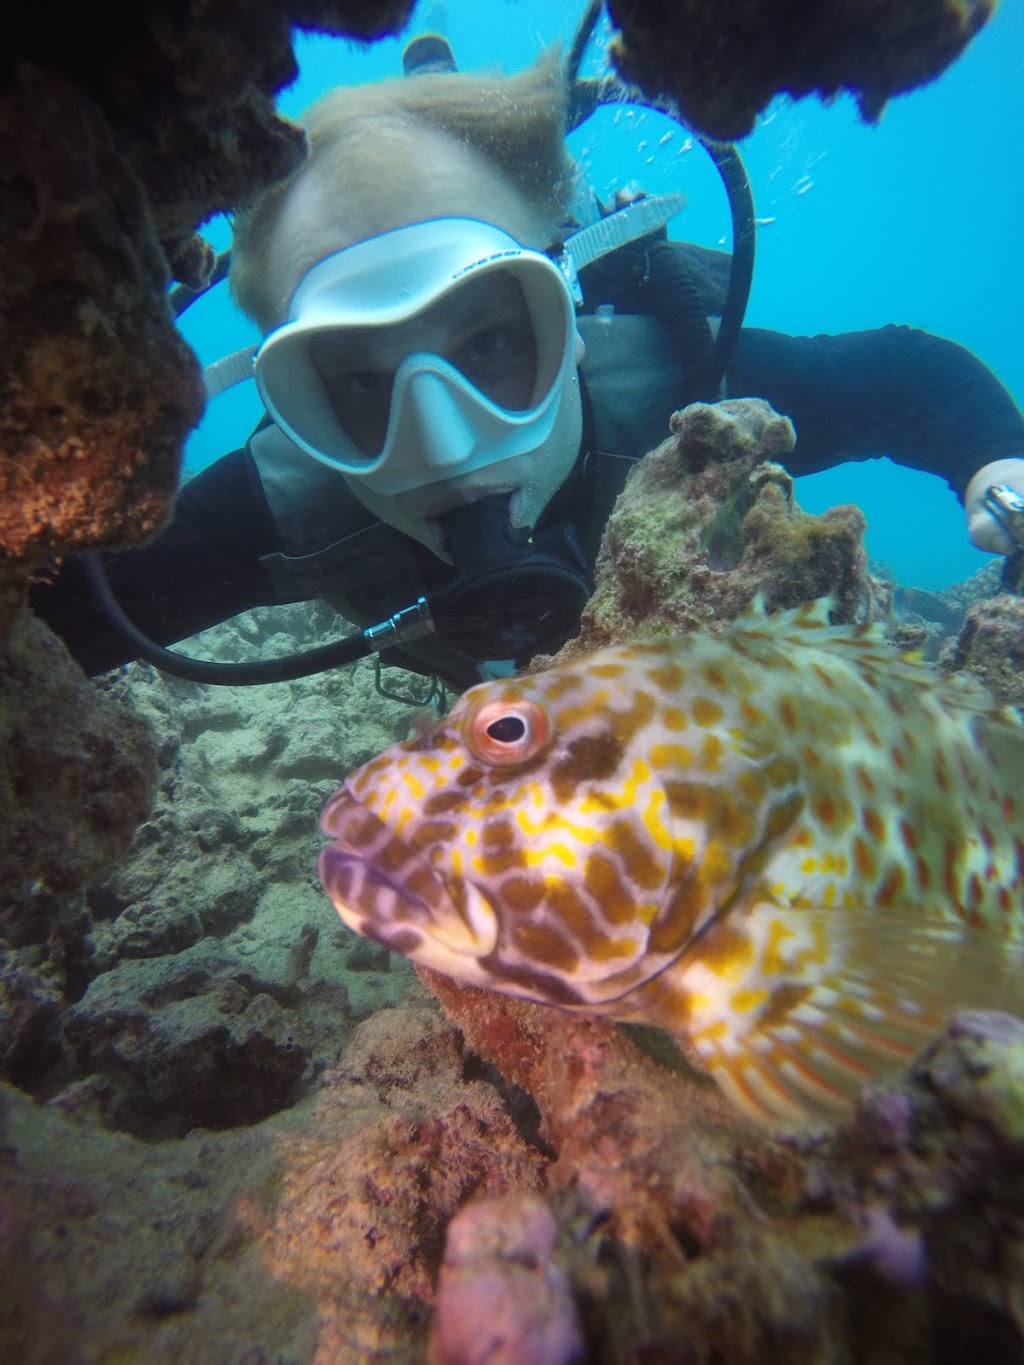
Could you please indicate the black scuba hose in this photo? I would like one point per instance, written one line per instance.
(183, 296)
(407, 625)
(678, 302)
(586, 96)
(581, 41)
(744, 233)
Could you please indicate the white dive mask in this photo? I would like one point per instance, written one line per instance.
(436, 352)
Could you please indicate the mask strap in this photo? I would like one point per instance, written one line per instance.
(625, 225)
(230, 370)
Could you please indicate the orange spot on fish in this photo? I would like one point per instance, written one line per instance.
(949, 872)
(892, 886)
(752, 717)
(669, 677)
(706, 712)
(975, 891)
(787, 714)
(711, 754)
(873, 823)
(612, 949)
(671, 756)
(560, 684)
(894, 703)
(863, 858)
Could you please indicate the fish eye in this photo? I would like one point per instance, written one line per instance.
(507, 729)
(508, 732)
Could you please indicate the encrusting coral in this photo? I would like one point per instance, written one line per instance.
(893, 1236)
(707, 521)
(991, 646)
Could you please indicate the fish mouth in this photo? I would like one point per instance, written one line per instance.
(385, 889)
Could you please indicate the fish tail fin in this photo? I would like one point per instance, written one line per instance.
(819, 1001)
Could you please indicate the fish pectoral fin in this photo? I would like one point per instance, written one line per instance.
(828, 999)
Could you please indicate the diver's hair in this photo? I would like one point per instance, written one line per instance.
(516, 123)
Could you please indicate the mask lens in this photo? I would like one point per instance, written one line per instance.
(483, 328)
(358, 389)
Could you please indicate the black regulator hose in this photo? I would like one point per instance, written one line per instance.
(183, 296)
(744, 235)
(409, 624)
(677, 301)
(581, 41)
(514, 592)
(586, 96)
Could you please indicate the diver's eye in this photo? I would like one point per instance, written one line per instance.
(508, 732)
(486, 345)
(365, 383)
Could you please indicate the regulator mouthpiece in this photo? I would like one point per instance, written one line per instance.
(517, 592)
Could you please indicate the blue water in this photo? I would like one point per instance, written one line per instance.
(915, 220)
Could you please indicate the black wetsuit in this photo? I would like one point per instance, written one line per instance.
(924, 401)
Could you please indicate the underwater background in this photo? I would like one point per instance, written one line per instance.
(234, 1132)
(916, 220)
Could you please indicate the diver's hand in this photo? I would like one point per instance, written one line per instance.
(985, 529)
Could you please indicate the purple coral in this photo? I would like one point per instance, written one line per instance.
(502, 1299)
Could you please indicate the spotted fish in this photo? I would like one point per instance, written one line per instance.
(791, 847)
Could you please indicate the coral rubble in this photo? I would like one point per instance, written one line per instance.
(191, 976)
(75, 779)
(721, 63)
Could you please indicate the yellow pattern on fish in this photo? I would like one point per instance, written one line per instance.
(791, 847)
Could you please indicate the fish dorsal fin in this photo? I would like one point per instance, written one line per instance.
(833, 998)
(865, 646)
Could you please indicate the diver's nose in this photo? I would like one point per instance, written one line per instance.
(439, 429)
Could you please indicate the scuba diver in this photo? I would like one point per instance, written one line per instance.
(463, 356)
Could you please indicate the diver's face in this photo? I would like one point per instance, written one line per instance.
(482, 328)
